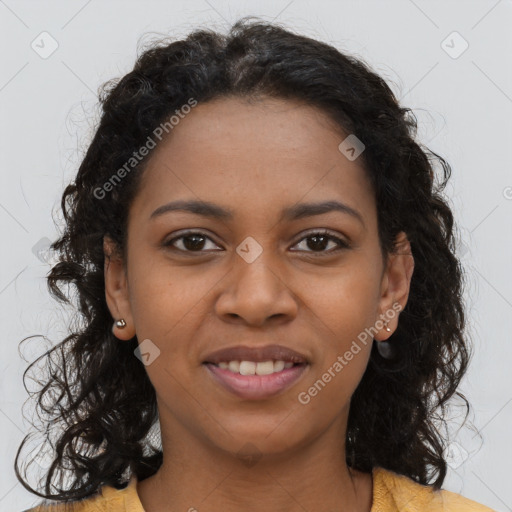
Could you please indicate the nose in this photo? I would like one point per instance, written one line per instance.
(255, 294)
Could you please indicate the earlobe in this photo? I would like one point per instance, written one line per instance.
(116, 291)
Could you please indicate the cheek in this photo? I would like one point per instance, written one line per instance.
(163, 297)
(338, 370)
(169, 306)
(346, 307)
(346, 302)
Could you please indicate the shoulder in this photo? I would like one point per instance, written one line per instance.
(107, 499)
(392, 491)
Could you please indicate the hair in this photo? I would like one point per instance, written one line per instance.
(97, 396)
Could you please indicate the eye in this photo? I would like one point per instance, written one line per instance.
(192, 241)
(320, 240)
(195, 241)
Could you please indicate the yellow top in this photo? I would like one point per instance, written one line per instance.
(391, 493)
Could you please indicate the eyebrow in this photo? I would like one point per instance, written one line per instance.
(291, 213)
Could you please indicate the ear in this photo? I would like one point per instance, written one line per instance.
(116, 290)
(395, 285)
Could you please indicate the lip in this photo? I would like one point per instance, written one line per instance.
(256, 354)
(256, 387)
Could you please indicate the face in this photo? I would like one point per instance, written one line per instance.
(269, 271)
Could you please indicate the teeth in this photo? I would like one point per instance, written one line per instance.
(234, 366)
(279, 365)
(248, 367)
(255, 368)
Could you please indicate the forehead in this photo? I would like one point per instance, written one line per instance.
(254, 156)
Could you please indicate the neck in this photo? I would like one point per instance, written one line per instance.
(196, 476)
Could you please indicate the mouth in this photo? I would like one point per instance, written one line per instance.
(255, 367)
(252, 386)
(255, 373)
(256, 354)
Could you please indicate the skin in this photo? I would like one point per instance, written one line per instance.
(256, 159)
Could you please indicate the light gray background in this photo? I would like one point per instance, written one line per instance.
(463, 104)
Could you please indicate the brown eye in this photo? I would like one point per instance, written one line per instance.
(193, 241)
(316, 242)
(319, 241)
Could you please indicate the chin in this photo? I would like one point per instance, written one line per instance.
(254, 442)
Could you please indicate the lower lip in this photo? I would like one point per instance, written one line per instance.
(257, 387)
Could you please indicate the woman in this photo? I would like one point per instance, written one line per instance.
(265, 269)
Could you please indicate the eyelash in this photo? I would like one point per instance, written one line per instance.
(341, 243)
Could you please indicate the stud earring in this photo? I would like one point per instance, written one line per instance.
(121, 324)
(387, 328)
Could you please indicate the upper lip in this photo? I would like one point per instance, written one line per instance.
(256, 354)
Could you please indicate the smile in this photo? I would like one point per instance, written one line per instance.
(256, 380)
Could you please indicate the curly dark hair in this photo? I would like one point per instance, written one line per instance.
(97, 395)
